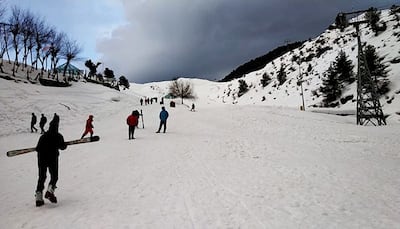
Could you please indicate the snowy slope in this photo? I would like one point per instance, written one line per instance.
(289, 94)
(223, 166)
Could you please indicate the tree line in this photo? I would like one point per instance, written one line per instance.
(29, 39)
(260, 62)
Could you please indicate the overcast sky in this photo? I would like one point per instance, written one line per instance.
(155, 40)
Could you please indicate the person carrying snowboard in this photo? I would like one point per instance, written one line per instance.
(163, 119)
(33, 123)
(89, 127)
(47, 153)
(42, 122)
(132, 122)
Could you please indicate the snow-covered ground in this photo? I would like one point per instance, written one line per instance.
(223, 166)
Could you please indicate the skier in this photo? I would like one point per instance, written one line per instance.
(163, 119)
(47, 153)
(42, 122)
(89, 127)
(132, 122)
(192, 107)
(33, 123)
(141, 101)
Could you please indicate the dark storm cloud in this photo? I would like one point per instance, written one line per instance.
(209, 38)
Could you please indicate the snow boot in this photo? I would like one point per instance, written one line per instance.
(50, 194)
(39, 199)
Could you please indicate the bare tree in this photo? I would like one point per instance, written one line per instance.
(181, 89)
(15, 29)
(2, 31)
(6, 39)
(42, 34)
(56, 40)
(26, 33)
(45, 52)
(69, 52)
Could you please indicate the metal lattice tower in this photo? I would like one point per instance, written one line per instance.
(369, 109)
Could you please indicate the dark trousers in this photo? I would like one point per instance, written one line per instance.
(53, 170)
(33, 128)
(42, 128)
(162, 123)
(131, 132)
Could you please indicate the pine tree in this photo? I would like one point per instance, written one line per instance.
(373, 17)
(265, 80)
(344, 68)
(123, 81)
(331, 86)
(377, 69)
(108, 73)
(243, 87)
(281, 75)
(309, 68)
(341, 22)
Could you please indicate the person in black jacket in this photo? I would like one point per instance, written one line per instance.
(47, 153)
(42, 122)
(33, 123)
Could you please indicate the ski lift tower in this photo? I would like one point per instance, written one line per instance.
(369, 109)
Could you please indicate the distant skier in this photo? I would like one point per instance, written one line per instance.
(192, 109)
(141, 101)
(33, 123)
(89, 127)
(132, 122)
(47, 153)
(42, 122)
(163, 119)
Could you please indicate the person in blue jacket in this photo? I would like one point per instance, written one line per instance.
(163, 119)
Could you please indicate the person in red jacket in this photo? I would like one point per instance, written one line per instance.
(132, 122)
(89, 127)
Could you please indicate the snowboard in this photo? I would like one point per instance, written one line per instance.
(13, 153)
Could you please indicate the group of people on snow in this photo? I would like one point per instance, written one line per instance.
(148, 101)
(133, 120)
(51, 141)
(42, 122)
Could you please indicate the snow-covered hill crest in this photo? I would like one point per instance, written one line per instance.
(316, 55)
